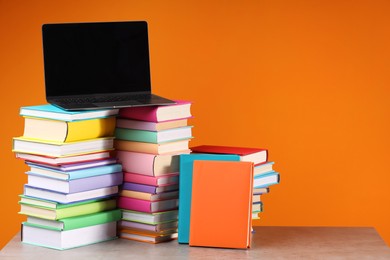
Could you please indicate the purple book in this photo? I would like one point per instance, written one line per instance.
(76, 185)
(149, 188)
(150, 227)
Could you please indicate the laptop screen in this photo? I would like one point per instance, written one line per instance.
(96, 58)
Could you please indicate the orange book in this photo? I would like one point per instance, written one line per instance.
(221, 207)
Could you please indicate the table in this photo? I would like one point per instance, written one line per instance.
(267, 243)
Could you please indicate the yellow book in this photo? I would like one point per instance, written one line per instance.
(63, 131)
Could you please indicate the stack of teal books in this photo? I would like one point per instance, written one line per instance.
(148, 143)
(73, 179)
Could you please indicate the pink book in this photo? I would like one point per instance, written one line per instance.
(148, 164)
(180, 110)
(147, 206)
(168, 179)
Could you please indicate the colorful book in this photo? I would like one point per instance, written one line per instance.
(163, 136)
(70, 197)
(73, 174)
(180, 110)
(145, 236)
(150, 126)
(76, 165)
(58, 149)
(266, 179)
(125, 224)
(74, 185)
(149, 188)
(63, 160)
(63, 131)
(75, 222)
(210, 180)
(53, 210)
(255, 155)
(150, 218)
(148, 164)
(150, 196)
(185, 188)
(263, 168)
(53, 112)
(261, 190)
(62, 240)
(147, 206)
(162, 148)
(163, 180)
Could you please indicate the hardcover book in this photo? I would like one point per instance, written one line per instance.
(145, 236)
(210, 180)
(125, 224)
(255, 155)
(150, 196)
(162, 148)
(53, 112)
(150, 126)
(180, 110)
(185, 188)
(149, 188)
(150, 218)
(164, 180)
(163, 136)
(147, 206)
(267, 179)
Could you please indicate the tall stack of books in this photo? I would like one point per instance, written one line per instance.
(148, 143)
(73, 181)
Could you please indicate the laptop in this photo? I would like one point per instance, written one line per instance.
(98, 65)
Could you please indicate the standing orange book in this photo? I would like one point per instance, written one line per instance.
(221, 206)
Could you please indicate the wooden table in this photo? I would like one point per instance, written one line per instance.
(267, 243)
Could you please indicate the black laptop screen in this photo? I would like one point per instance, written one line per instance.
(96, 58)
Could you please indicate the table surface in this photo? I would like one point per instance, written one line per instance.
(267, 243)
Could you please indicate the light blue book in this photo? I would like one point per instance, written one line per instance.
(267, 179)
(185, 189)
(53, 112)
(156, 137)
(75, 174)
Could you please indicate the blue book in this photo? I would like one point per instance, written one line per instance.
(267, 179)
(185, 189)
(53, 112)
(75, 174)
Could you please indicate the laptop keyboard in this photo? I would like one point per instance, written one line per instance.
(84, 100)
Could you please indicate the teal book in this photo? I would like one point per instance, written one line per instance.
(49, 111)
(156, 137)
(185, 189)
(75, 222)
(266, 179)
(75, 174)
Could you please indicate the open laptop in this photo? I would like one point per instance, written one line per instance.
(98, 65)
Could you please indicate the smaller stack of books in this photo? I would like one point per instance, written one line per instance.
(73, 181)
(148, 143)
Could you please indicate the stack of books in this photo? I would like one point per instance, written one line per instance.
(73, 180)
(148, 143)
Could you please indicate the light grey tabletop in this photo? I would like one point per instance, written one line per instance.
(267, 243)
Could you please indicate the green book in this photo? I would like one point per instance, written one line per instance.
(53, 210)
(75, 222)
(169, 135)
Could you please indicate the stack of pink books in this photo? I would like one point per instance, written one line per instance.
(148, 143)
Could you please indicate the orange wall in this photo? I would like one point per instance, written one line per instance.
(309, 80)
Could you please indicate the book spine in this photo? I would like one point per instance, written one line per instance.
(140, 113)
(139, 187)
(134, 204)
(136, 135)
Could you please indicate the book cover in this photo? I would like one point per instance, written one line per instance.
(62, 131)
(169, 135)
(180, 110)
(150, 218)
(53, 210)
(53, 112)
(149, 188)
(150, 126)
(76, 165)
(163, 180)
(255, 155)
(147, 206)
(150, 196)
(75, 222)
(185, 188)
(74, 185)
(73, 174)
(148, 164)
(266, 179)
(144, 236)
(70, 197)
(181, 146)
(67, 239)
(125, 224)
(210, 180)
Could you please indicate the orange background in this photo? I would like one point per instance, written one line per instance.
(309, 80)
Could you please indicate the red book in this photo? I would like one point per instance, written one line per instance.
(255, 155)
(180, 110)
(147, 206)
